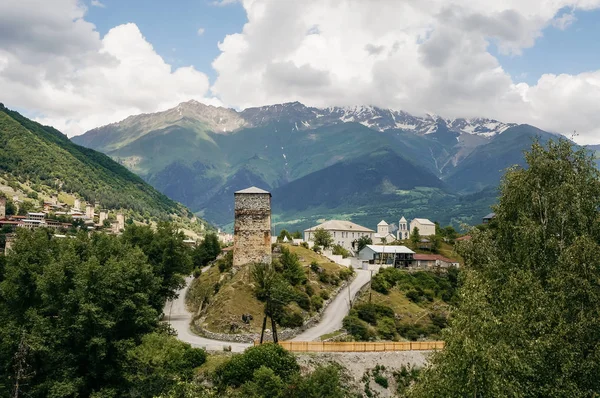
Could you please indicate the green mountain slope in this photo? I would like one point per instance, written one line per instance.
(47, 161)
(484, 167)
(313, 159)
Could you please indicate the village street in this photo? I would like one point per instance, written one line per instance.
(179, 317)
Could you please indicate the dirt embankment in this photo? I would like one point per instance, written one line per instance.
(361, 367)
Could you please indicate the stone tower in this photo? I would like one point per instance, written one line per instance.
(2, 207)
(383, 228)
(252, 228)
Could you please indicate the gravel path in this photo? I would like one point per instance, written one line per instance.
(336, 310)
(179, 317)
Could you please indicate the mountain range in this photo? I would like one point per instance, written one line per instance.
(41, 162)
(363, 163)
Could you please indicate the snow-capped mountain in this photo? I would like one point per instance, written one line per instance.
(375, 118)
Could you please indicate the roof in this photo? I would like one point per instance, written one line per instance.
(403, 219)
(423, 221)
(433, 257)
(466, 237)
(253, 190)
(390, 249)
(490, 216)
(37, 214)
(377, 235)
(340, 225)
(382, 222)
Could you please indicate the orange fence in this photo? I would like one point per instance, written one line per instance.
(357, 346)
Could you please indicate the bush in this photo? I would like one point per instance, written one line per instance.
(338, 250)
(316, 302)
(358, 328)
(386, 328)
(439, 320)
(303, 300)
(380, 284)
(226, 263)
(314, 266)
(241, 368)
(346, 273)
(291, 318)
(324, 294)
(317, 249)
(381, 380)
(371, 312)
(197, 273)
(309, 290)
(304, 245)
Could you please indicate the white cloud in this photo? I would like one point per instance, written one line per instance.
(200, 31)
(97, 3)
(564, 21)
(419, 56)
(63, 72)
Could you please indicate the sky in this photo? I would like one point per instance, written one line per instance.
(81, 64)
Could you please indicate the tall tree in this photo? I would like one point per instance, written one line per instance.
(415, 237)
(528, 323)
(207, 251)
(362, 242)
(322, 238)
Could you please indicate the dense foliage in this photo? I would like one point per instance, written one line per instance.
(81, 315)
(43, 156)
(268, 371)
(372, 321)
(528, 324)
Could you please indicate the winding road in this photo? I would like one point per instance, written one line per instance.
(179, 317)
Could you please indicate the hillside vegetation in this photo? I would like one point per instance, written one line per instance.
(223, 294)
(40, 159)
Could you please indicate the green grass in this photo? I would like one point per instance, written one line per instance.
(235, 296)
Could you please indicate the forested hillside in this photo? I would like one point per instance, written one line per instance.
(48, 162)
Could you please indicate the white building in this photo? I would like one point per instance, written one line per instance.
(383, 232)
(425, 226)
(397, 256)
(344, 233)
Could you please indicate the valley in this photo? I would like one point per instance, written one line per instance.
(358, 163)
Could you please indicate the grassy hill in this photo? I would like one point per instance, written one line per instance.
(222, 295)
(42, 161)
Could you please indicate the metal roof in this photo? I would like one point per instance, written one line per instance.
(340, 225)
(390, 249)
(423, 221)
(253, 190)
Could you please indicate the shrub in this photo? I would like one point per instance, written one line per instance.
(197, 273)
(338, 250)
(304, 245)
(316, 302)
(439, 320)
(357, 328)
(317, 249)
(381, 380)
(324, 294)
(386, 328)
(309, 290)
(371, 312)
(314, 266)
(303, 300)
(324, 277)
(241, 368)
(346, 273)
(379, 284)
(291, 318)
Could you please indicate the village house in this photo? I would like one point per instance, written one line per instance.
(383, 234)
(433, 261)
(391, 256)
(488, 218)
(344, 233)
